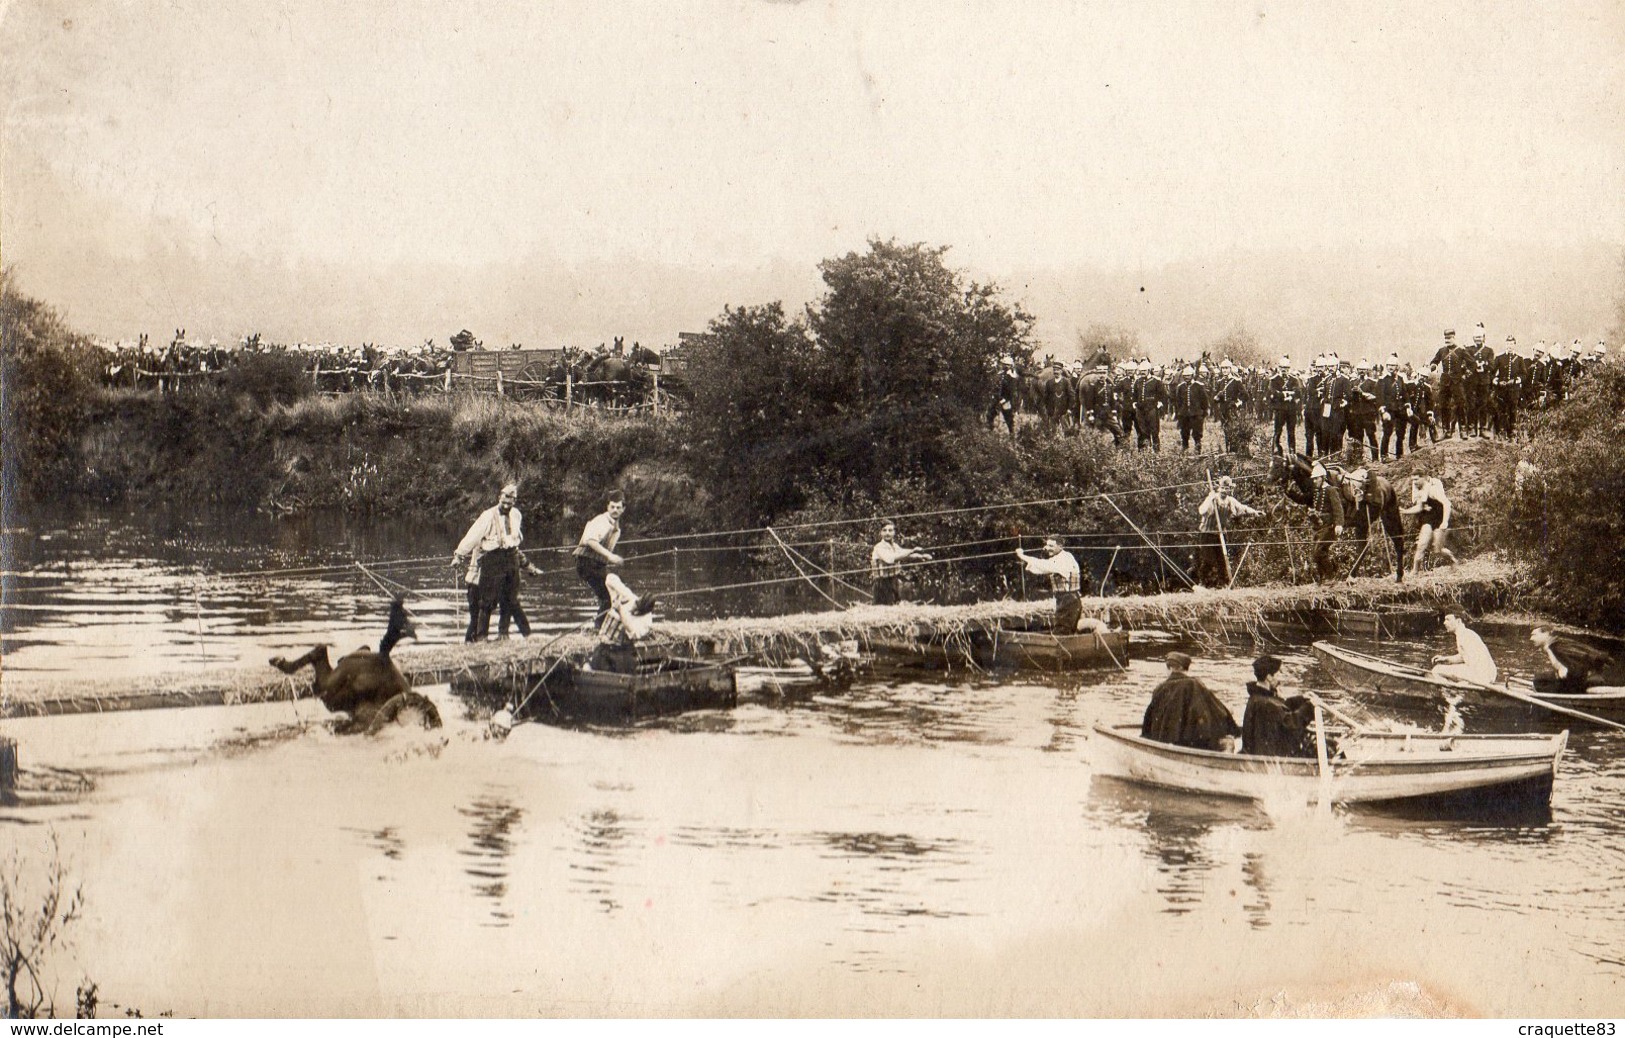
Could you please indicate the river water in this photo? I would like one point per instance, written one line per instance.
(920, 844)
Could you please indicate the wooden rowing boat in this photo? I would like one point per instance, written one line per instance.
(1387, 621)
(1368, 767)
(1046, 651)
(659, 686)
(1415, 688)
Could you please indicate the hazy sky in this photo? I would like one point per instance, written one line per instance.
(1025, 135)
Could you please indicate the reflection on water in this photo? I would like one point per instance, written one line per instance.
(490, 845)
(923, 844)
(603, 837)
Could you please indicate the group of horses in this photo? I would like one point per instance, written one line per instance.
(613, 378)
(1051, 391)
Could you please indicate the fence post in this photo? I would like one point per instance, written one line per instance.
(656, 397)
(499, 381)
(569, 384)
(316, 374)
(831, 569)
(448, 380)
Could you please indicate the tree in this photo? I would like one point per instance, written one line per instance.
(1118, 343)
(910, 353)
(754, 408)
(1240, 346)
(45, 394)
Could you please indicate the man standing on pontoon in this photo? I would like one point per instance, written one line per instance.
(1062, 569)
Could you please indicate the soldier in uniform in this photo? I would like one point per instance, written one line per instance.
(1539, 379)
(1506, 385)
(1328, 518)
(1314, 436)
(1004, 402)
(1450, 363)
(1423, 413)
(1394, 406)
(1335, 391)
(1233, 401)
(1481, 361)
(1150, 397)
(1362, 410)
(1373, 499)
(1286, 398)
(1190, 408)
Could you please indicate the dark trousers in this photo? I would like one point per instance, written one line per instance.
(1212, 569)
(499, 590)
(479, 616)
(1394, 426)
(592, 571)
(1147, 427)
(1068, 611)
(1286, 420)
(1325, 537)
(888, 591)
(1190, 428)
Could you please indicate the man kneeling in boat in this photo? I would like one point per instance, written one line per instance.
(1471, 661)
(1273, 726)
(1061, 566)
(1185, 713)
(1574, 666)
(630, 620)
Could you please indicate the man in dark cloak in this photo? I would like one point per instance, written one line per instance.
(1273, 726)
(1185, 713)
(1574, 668)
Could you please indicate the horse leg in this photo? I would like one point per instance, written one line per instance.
(315, 658)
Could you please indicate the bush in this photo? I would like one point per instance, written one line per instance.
(46, 390)
(1564, 506)
(267, 378)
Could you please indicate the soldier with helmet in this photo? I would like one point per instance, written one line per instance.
(1506, 389)
(1286, 399)
(1190, 408)
(1451, 363)
(1481, 363)
(1362, 409)
(1393, 405)
(1150, 396)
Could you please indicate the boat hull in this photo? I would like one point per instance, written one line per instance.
(1417, 689)
(1042, 650)
(1369, 768)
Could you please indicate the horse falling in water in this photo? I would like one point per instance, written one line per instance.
(367, 685)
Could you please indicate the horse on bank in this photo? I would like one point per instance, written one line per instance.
(367, 685)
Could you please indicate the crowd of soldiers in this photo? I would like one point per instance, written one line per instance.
(1385, 407)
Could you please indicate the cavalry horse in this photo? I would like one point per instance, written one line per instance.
(1050, 392)
(367, 685)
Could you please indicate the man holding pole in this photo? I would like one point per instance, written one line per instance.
(1062, 569)
(1212, 554)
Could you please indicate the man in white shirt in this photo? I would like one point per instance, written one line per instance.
(596, 551)
(1064, 578)
(886, 565)
(1471, 661)
(491, 551)
(1219, 507)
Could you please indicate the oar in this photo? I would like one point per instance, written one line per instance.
(1506, 690)
(1321, 704)
(1320, 760)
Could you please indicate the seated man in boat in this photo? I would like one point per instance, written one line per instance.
(1273, 726)
(1574, 667)
(1062, 569)
(886, 565)
(1185, 713)
(630, 619)
(1471, 661)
